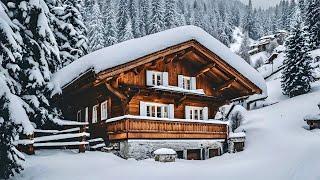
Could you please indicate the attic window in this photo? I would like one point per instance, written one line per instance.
(156, 78)
(186, 82)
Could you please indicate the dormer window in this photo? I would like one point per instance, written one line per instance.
(186, 82)
(157, 78)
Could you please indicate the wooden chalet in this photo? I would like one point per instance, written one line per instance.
(166, 98)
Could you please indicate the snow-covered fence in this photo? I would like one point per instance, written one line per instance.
(72, 138)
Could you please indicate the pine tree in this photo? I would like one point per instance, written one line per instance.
(296, 75)
(122, 21)
(156, 17)
(170, 14)
(244, 48)
(144, 14)
(13, 117)
(96, 29)
(249, 25)
(69, 30)
(135, 19)
(312, 11)
(110, 33)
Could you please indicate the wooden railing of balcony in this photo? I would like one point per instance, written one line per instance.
(162, 129)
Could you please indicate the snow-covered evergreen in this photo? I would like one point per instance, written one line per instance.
(170, 15)
(312, 14)
(110, 32)
(244, 48)
(296, 75)
(135, 19)
(156, 17)
(96, 28)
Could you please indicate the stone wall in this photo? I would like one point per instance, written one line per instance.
(143, 149)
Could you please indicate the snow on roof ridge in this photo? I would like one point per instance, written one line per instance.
(133, 49)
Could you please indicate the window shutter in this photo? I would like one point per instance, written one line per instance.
(180, 81)
(193, 83)
(143, 109)
(187, 112)
(205, 113)
(165, 79)
(86, 118)
(171, 111)
(149, 78)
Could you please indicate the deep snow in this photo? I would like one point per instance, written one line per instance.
(278, 147)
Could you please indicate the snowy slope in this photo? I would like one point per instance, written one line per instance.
(133, 49)
(237, 36)
(277, 147)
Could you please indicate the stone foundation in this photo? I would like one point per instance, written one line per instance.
(143, 149)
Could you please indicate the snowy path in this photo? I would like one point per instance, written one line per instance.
(278, 147)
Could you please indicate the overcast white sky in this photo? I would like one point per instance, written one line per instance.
(262, 3)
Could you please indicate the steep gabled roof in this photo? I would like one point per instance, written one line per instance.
(131, 50)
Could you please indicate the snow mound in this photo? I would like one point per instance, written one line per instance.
(165, 151)
(136, 48)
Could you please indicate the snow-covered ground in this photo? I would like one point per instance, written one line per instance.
(278, 147)
(237, 36)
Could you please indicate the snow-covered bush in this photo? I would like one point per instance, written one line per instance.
(236, 117)
(272, 46)
(259, 63)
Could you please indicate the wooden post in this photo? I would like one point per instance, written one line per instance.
(29, 149)
(82, 147)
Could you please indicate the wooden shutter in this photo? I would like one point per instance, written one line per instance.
(180, 81)
(165, 79)
(171, 111)
(193, 83)
(205, 113)
(149, 78)
(143, 109)
(187, 112)
(86, 117)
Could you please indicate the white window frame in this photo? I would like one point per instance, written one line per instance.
(79, 117)
(104, 110)
(95, 113)
(160, 110)
(157, 78)
(182, 82)
(157, 110)
(196, 113)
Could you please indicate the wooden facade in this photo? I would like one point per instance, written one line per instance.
(123, 88)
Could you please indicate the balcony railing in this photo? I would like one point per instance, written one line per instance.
(134, 128)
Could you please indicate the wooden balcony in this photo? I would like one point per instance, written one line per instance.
(132, 128)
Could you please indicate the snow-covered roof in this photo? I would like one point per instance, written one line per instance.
(267, 37)
(130, 50)
(237, 135)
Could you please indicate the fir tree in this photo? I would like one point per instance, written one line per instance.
(156, 17)
(96, 29)
(244, 48)
(296, 75)
(135, 19)
(144, 14)
(312, 11)
(249, 25)
(69, 30)
(110, 33)
(170, 14)
(122, 21)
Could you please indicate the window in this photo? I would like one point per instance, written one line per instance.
(188, 83)
(95, 114)
(79, 119)
(104, 110)
(157, 110)
(156, 78)
(196, 113)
